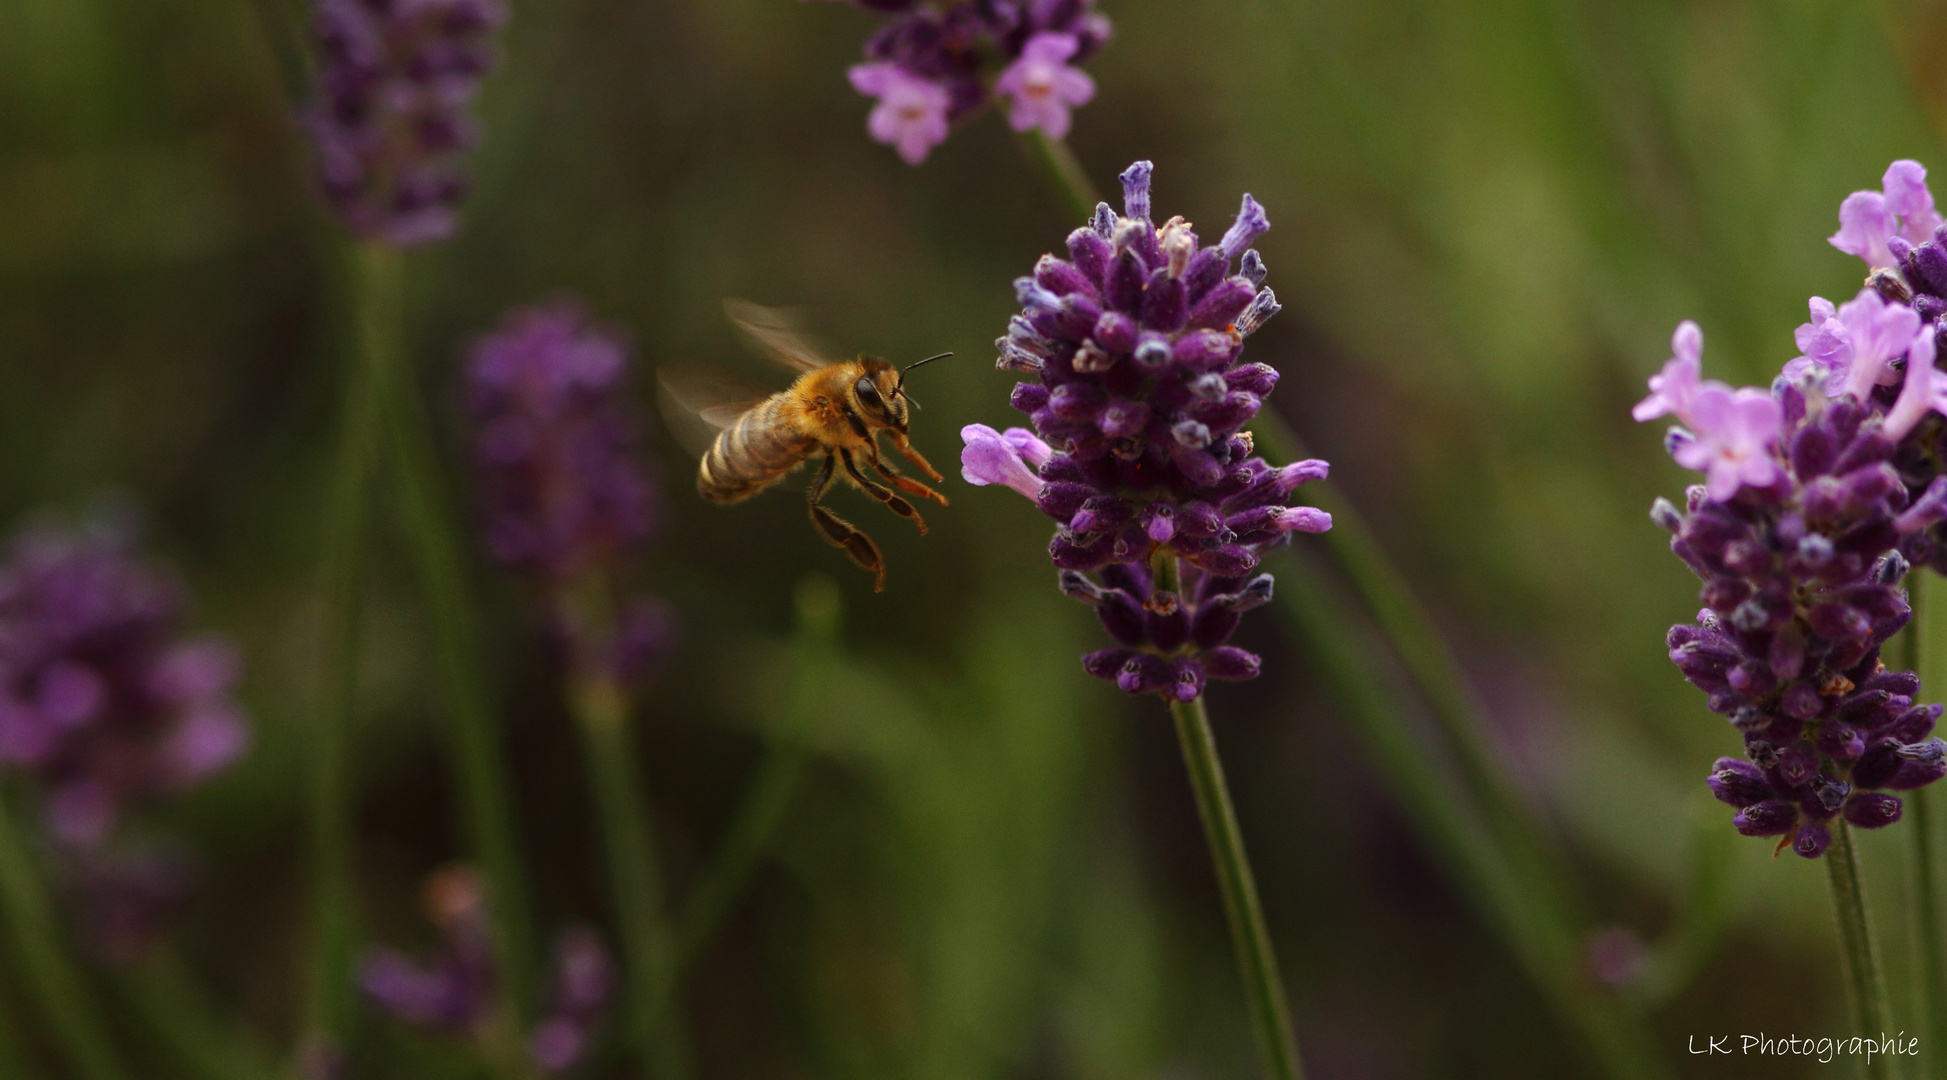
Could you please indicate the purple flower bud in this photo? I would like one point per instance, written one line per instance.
(1251, 223)
(1773, 817)
(1135, 189)
(1739, 783)
(1872, 810)
(1230, 663)
(1812, 839)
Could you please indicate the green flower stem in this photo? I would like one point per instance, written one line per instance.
(486, 794)
(1064, 174)
(1923, 656)
(12, 1065)
(178, 1012)
(1858, 952)
(1531, 923)
(602, 710)
(374, 274)
(1257, 962)
(814, 651)
(53, 979)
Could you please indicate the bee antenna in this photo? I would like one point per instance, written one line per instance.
(928, 360)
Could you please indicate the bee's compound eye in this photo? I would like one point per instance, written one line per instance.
(868, 393)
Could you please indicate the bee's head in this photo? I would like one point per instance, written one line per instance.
(881, 400)
(881, 391)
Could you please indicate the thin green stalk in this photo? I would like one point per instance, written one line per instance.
(602, 710)
(53, 978)
(1858, 952)
(814, 650)
(1922, 655)
(1063, 173)
(486, 794)
(1257, 962)
(12, 1065)
(1532, 924)
(179, 1013)
(375, 314)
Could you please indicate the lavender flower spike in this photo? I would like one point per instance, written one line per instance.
(389, 119)
(554, 453)
(1139, 403)
(1820, 495)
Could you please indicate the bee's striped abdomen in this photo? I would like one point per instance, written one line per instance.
(752, 453)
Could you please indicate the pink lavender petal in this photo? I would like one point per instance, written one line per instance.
(1672, 388)
(1042, 87)
(990, 458)
(911, 115)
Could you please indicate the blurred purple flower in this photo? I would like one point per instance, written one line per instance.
(1139, 402)
(584, 984)
(453, 989)
(564, 496)
(554, 443)
(101, 698)
(932, 68)
(390, 117)
(1043, 87)
(1617, 956)
(1820, 496)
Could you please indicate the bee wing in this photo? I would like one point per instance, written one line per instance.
(697, 404)
(778, 333)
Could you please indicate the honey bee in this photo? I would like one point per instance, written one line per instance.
(837, 408)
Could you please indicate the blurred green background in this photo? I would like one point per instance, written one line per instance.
(1489, 215)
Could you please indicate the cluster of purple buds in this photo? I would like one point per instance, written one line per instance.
(102, 698)
(554, 450)
(454, 989)
(1139, 403)
(391, 117)
(931, 68)
(1819, 496)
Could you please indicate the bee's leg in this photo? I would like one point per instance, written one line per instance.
(906, 483)
(881, 492)
(841, 533)
(899, 442)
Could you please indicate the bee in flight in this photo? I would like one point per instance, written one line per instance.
(837, 408)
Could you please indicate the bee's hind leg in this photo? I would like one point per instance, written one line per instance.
(906, 483)
(841, 533)
(881, 492)
(913, 455)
